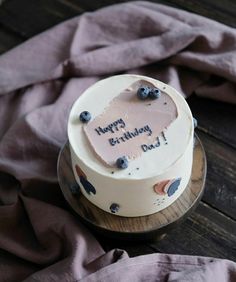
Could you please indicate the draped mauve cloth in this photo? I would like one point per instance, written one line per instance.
(39, 81)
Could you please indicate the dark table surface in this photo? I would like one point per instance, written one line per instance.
(211, 229)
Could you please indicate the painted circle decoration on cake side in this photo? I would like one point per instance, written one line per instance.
(159, 187)
(167, 187)
(173, 187)
(88, 187)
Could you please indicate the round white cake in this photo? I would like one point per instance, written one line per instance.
(131, 143)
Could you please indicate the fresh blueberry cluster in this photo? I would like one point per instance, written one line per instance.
(122, 162)
(145, 92)
(114, 208)
(85, 116)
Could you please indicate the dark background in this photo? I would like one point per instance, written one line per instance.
(211, 229)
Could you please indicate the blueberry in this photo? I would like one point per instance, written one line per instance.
(143, 92)
(155, 93)
(114, 208)
(122, 162)
(194, 122)
(85, 116)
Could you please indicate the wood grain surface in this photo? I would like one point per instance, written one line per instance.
(211, 229)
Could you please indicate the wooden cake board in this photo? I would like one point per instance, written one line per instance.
(140, 228)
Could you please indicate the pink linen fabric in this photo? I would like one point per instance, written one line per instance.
(39, 81)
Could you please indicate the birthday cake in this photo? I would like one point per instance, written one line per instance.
(131, 143)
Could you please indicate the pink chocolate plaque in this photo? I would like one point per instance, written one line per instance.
(130, 126)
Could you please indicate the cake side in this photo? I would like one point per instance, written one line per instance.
(133, 197)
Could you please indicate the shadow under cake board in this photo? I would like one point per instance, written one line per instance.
(143, 227)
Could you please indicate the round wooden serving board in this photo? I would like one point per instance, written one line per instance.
(143, 227)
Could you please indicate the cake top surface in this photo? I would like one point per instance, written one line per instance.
(151, 133)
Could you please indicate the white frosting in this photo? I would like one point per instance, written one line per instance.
(132, 189)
